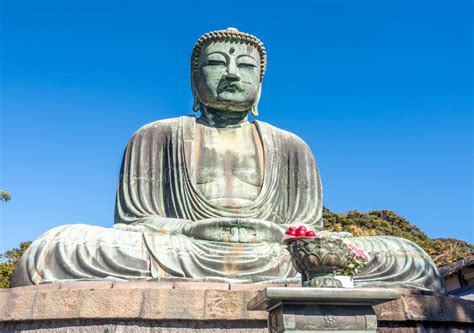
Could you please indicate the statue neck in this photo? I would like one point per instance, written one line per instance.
(222, 119)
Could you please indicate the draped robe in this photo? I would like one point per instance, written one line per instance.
(161, 217)
(157, 178)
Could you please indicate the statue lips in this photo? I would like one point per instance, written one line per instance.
(227, 86)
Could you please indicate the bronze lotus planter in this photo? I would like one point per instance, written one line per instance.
(318, 259)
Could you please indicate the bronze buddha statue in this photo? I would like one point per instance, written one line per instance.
(208, 198)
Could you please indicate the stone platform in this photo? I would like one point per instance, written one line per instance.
(107, 306)
(338, 310)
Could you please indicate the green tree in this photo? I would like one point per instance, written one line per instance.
(4, 195)
(385, 222)
(8, 262)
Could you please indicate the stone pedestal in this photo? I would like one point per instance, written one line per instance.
(184, 307)
(321, 309)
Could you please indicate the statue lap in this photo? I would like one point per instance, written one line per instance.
(82, 252)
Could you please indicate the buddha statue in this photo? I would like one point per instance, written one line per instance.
(209, 198)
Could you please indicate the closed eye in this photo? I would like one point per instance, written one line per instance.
(246, 65)
(216, 62)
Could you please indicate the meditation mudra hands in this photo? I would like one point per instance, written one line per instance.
(235, 230)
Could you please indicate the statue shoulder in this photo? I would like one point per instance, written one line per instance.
(163, 126)
(290, 139)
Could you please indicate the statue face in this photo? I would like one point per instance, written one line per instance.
(228, 77)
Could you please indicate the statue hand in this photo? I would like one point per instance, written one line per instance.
(236, 230)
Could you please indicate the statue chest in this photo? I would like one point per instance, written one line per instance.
(228, 164)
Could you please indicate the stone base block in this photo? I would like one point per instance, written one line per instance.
(135, 326)
(107, 306)
(310, 310)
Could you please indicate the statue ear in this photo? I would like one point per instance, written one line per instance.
(254, 108)
(196, 103)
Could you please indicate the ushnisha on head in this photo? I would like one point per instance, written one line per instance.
(227, 68)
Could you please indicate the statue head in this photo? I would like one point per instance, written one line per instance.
(227, 67)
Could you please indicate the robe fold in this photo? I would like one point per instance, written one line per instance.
(160, 216)
(157, 178)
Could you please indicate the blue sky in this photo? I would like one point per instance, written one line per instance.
(380, 90)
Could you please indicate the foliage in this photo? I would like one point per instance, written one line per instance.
(8, 262)
(387, 223)
(4, 195)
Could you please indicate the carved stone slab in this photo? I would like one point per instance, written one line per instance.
(321, 309)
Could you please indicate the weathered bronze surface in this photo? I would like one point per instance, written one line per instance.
(208, 198)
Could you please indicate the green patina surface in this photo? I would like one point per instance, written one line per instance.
(208, 198)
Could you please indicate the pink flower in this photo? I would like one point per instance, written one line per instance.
(359, 253)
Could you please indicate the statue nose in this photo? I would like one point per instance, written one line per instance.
(232, 73)
(232, 76)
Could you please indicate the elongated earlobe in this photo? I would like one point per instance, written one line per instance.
(196, 104)
(254, 108)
